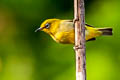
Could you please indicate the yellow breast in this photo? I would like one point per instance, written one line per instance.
(64, 32)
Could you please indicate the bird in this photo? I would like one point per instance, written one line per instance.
(63, 31)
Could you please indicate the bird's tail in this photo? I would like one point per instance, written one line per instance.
(106, 31)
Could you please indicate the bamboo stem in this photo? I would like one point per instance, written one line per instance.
(79, 21)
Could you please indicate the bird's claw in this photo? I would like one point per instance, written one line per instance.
(75, 19)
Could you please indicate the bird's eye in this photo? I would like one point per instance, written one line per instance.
(47, 25)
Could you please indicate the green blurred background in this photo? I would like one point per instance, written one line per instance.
(26, 55)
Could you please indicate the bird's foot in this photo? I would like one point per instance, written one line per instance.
(75, 19)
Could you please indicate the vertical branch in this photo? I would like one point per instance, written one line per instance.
(79, 21)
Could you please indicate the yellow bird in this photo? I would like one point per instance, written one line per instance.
(62, 31)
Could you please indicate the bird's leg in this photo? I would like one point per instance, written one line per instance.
(75, 19)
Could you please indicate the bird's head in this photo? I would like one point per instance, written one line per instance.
(48, 25)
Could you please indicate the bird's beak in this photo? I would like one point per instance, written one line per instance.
(39, 29)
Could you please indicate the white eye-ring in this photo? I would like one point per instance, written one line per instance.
(47, 25)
